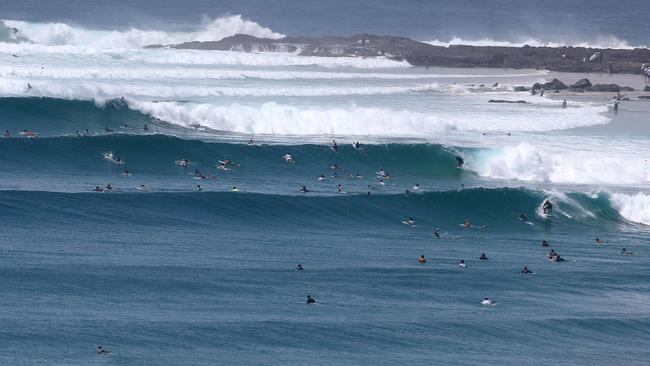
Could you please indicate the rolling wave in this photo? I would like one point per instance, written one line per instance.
(65, 34)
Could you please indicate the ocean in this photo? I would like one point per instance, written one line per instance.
(172, 265)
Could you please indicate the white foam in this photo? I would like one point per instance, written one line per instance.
(635, 208)
(65, 34)
(562, 164)
(274, 118)
(94, 89)
(600, 42)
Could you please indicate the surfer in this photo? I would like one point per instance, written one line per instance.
(335, 167)
(335, 147)
(108, 187)
(600, 241)
(462, 264)
(564, 103)
(198, 188)
(616, 107)
(381, 172)
(145, 128)
(381, 181)
(7, 134)
(234, 189)
(97, 189)
(101, 351)
(436, 232)
(544, 243)
(459, 162)
(288, 158)
(547, 207)
(422, 259)
(541, 94)
(321, 178)
(488, 302)
(299, 267)
(126, 173)
(108, 130)
(483, 257)
(467, 224)
(526, 271)
(416, 187)
(304, 189)
(251, 142)
(310, 300)
(356, 145)
(627, 252)
(340, 189)
(410, 222)
(522, 217)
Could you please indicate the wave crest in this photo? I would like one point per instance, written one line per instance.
(57, 34)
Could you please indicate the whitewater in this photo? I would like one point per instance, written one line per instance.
(149, 206)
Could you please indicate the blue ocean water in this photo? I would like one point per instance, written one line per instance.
(174, 275)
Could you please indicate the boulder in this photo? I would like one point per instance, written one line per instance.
(554, 84)
(506, 101)
(613, 88)
(522, 89)
(581, 84)
(647, 88)
(644, 97)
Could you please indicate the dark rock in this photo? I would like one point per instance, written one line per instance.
(521, 89)
(554, 84)
(565, 59)
(604, 88)
(506, 101)
(581, 84)
(647, 88)
(644, 97)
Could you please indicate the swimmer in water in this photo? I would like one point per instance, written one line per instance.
(544, 243)
(288, 158)
(310, 300)
(299, 267)
(462, 264)
(340, 189)
(600, 241)
(436, 232)
(422, 259)
(523, 217)
(526, 271)
(304, 189)
(126, 173)
(101, 351)
(410, 221)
